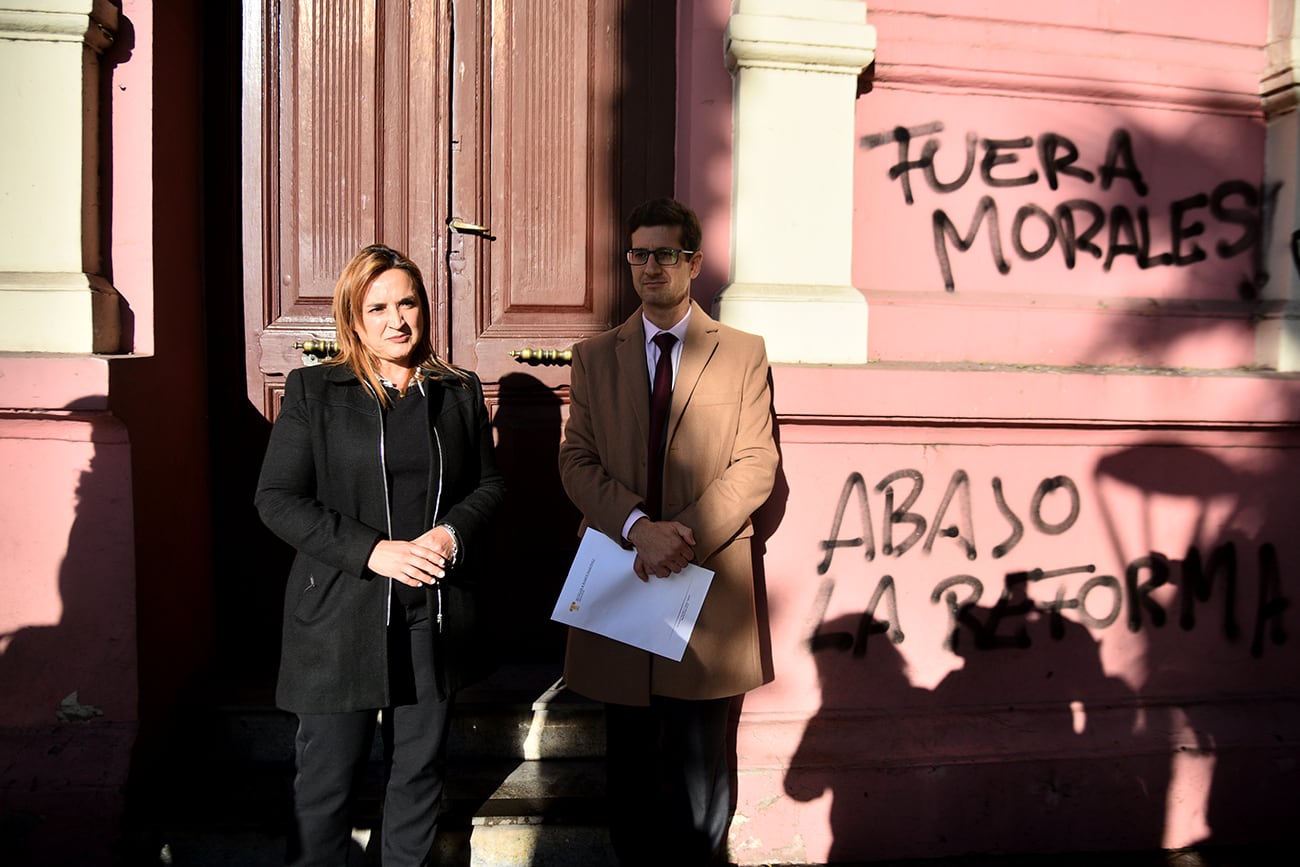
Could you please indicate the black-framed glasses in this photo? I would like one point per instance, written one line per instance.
(663, 255)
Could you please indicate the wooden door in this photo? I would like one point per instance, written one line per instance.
(344, 145)
(387, 120)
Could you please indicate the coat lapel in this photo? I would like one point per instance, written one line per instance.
(701, 342)
(632, 372)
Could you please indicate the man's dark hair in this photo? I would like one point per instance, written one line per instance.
(666, 212)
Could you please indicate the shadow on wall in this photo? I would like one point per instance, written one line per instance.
(1132, 244)
(248, 593)
(960, 764)
(766, 521)
(1235, 577)
(537, 528)
(1033, 739)
(71, 688)
(1039, 735)
(1236, 574)
(1183, 209)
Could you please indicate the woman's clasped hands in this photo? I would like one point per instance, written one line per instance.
(423, 560)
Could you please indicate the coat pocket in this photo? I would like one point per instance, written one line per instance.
(315, 587)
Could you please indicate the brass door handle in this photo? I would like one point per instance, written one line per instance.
(542, 356)
(318, 349)
(459, 225)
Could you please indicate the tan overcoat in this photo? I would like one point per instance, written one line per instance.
(719, 467)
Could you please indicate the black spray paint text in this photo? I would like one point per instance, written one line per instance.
(1096, 600)
(1078, 226)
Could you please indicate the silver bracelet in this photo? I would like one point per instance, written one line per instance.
(455, 542)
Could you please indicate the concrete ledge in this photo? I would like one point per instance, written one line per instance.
(1035, 396)
(800, 324)
(58, 312)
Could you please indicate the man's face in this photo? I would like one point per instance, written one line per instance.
(664, 288)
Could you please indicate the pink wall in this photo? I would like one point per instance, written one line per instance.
(869, 743)
(104, 502)
(1014, 606)
(76, 593)
(704, 135)
(68, 653)
(1159, 147)
(161, 392)
(1009, 728)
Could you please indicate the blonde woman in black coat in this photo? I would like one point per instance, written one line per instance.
(380, 473)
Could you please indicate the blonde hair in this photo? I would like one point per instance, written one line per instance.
(349, 297)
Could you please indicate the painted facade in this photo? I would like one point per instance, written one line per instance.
(1029, 288)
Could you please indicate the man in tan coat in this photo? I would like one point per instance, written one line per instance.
(669, 784)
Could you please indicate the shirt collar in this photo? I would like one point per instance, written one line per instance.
(417, 379)
(678, 330)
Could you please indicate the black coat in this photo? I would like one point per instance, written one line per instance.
(322, 490)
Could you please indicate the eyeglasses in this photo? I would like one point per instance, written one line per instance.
(663, 255)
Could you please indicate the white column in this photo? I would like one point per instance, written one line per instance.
(796, 65)
(1278, 340)
(53, 297)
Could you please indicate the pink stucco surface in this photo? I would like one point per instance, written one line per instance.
(703, 162)
(40, 382)
(1029, 573)
(1070, 228)
(991, 637)
(69, 657)
(133, 172)
(67, 608)
(69, 667)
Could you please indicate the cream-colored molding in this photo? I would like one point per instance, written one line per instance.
(61, 21)
(52, 295)
(1040, 57)
(68, 312)
(1278, 334)
(795, 65)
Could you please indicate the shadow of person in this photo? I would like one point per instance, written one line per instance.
(70, 688)
(227, 700)
(248, 597)
(537, 527)
(766, 522)
(1039, 709)
(852, 745)
(1233, 779)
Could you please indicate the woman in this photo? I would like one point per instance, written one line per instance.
(380, 473)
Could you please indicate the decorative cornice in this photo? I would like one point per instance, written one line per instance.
(1282, 99)
(1230, 402)
(803, 44)
(996, 82)
(1061, 61)
(95, 27)
(1278, 85)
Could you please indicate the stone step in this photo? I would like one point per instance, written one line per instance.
(525, 783)
(550, 811)
(522, 712)
(526, 714)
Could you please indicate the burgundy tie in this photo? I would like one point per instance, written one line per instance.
(661, 398)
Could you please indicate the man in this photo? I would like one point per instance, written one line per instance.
(669, 784)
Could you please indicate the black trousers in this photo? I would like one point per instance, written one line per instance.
(332, 751)
(668, 780)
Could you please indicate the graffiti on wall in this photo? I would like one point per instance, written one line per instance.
(1225, 221)
(883, 521)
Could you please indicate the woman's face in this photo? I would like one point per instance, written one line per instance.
(390, 322)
